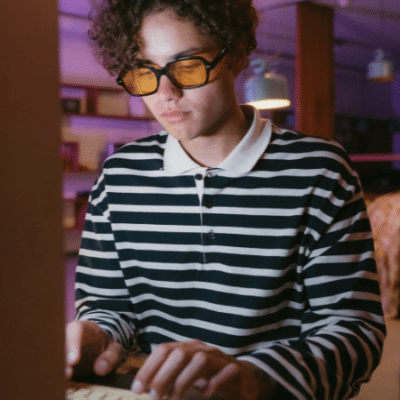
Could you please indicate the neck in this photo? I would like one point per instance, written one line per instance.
(210, 150)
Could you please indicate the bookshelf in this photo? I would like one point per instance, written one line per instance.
(96, 120)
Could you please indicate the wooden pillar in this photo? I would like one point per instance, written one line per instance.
(31, 254)
(315, 105)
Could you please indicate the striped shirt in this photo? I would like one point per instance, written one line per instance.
(268, 258)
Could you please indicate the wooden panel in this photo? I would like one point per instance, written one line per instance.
(31, 277)
(314, 70)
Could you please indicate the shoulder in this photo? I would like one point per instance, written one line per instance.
(292, 145)
(149, 144)
(295, 142)
(147, 150)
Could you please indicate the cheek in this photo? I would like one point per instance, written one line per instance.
(150, 103)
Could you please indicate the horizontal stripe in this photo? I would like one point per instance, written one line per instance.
(201, 249)
(101, 291)
(98, 254)
(267, 257)
(211, 306)
(210, 267)
(99, 272)
(207, 286)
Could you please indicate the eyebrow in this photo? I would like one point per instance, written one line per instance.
(185, 53)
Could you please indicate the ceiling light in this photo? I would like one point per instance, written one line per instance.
(266, 90)
(381, 69)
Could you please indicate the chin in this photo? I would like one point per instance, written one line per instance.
(181, 135)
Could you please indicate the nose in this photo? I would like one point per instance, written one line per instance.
(167, 90)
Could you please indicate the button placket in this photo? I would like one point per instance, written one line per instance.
(198, 177)
(208, 204)
(210, 235)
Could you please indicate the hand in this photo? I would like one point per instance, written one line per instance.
(174, 367)
(90, 349)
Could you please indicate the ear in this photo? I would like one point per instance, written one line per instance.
(239, 65)
(239, 60)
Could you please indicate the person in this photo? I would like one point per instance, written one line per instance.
(236, 254)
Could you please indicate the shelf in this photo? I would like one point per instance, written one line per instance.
(116, 117)
(85, 179)
(374, 157)
(72, 241)
(72, 230)
(77, 182)
(91, 87)
(81, 174)
(97, 101)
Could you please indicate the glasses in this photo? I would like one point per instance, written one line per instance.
(185, 73)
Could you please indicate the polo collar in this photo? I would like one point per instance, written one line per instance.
(241, 160)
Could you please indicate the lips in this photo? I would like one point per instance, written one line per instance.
(174, 116)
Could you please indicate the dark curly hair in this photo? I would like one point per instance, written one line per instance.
(115, 27)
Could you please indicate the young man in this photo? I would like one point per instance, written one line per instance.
(236, 254)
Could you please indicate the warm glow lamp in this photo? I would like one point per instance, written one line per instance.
(265, 90)
(381, 69)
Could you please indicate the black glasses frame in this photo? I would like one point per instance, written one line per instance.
(209, 66)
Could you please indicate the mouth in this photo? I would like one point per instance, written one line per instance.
(174, 116)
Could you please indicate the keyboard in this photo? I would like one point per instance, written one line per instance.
(103, 393)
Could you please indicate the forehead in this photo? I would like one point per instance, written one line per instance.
(164, 36)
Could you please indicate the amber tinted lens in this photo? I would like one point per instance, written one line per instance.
(188, 73)
(140, 81)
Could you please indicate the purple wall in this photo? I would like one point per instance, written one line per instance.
(396, 96)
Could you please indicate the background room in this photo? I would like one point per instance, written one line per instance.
(343, 83)
(70, 95)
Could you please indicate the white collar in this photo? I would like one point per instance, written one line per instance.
(241, 160)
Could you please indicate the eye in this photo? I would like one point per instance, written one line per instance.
(143, 72)
(186, 65)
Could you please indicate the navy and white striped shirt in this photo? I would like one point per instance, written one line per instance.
(272, 263)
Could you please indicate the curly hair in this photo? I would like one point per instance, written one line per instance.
(115, 27)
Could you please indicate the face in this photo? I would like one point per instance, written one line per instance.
(187, 114)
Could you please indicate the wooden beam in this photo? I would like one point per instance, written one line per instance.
(31, 255)
(315, 70)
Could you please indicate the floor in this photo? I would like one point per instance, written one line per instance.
(384, 383)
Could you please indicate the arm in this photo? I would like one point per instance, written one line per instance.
(342, 329)
(102, 299)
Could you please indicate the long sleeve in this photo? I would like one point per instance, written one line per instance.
(101, 293)
(342, 329)
(274, 266)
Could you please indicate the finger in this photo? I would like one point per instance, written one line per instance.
(68, 372)
(109, 359)
(73, 343)
(201, 384)
(151, 366)
(201, 367)
(85, 341)
(164, 380)
(227, 374)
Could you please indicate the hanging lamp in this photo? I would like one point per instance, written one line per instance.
(381, 69)
(266, 90)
